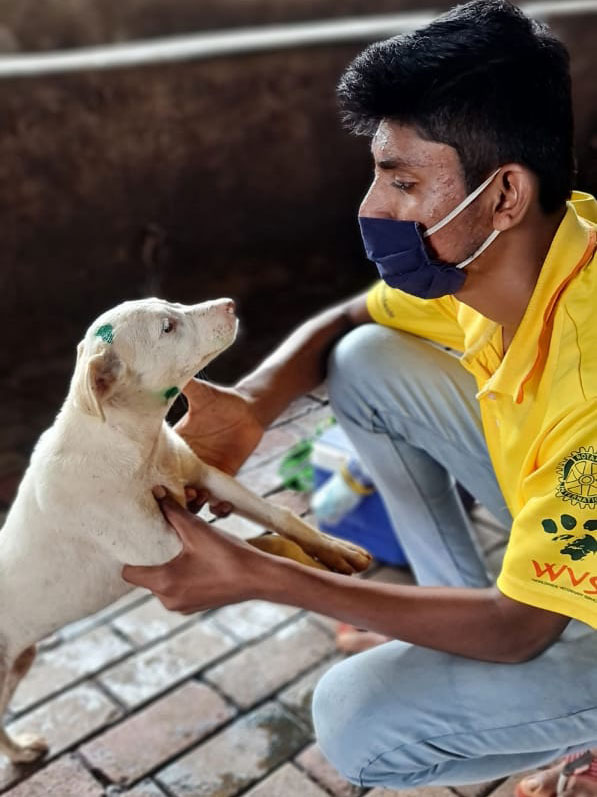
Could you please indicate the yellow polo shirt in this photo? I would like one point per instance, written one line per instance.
(539, 410)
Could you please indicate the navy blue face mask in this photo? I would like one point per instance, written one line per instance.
(398, 250)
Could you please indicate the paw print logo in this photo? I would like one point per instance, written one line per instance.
(579, 545)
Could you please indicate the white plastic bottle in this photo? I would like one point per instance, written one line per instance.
(341, 493)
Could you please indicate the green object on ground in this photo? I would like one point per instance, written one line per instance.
(296, 469)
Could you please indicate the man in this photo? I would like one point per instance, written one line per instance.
(472, 140)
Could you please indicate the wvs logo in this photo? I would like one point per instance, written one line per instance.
(565, 574)
(579, 545)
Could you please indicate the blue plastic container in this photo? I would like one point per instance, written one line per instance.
(368, 523)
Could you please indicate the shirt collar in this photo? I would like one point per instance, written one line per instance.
(571, 249)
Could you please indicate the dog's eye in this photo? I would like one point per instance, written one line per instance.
(168, 325)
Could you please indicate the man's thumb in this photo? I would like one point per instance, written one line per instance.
(170, 508)
(140, 575)
(181, 520)
(196, 390)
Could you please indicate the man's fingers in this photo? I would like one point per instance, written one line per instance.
(183, 521)
(221, 509)
(195, 499)
(196, 496)
(167, 504)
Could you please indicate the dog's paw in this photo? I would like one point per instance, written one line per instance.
(28, 747)
(343, 556)
(274, 544)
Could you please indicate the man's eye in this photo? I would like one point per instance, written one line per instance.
(402, 186)
(168, 325)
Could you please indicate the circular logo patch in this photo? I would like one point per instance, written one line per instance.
(578, 478)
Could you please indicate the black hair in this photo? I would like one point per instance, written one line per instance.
(483, 78)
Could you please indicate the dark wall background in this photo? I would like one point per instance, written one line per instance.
(189, 181)
(55, 24)
(193, 180)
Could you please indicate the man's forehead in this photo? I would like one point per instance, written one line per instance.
(396, 145)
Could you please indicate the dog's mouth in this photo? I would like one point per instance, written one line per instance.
(213, 354)
(221, 347)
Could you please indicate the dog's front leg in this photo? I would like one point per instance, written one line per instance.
(335, 553)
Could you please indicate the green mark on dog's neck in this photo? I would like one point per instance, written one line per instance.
(106, 332)
(172, 391)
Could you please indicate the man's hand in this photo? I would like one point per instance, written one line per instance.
(213, 568)
(219, 426)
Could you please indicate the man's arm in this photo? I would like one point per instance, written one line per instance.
(480, 623)
(299, 363)
(215, 569)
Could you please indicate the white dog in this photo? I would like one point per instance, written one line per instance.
(84, 507)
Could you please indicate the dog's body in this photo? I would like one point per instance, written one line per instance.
(75, 514)
(84, 508)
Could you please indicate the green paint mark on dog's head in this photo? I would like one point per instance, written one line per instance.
(106, 333)
(172, 391)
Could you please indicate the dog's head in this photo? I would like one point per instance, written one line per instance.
(141, 354)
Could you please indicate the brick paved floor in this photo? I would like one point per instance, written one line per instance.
(138, 701)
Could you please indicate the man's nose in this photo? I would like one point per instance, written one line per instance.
(372, 205)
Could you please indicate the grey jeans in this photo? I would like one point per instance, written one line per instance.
(400, 715)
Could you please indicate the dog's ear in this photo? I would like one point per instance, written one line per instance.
(97, 380)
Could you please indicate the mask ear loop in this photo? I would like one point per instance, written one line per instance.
(459, 208)
(488, 241)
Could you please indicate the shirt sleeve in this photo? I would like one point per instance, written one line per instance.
(434, 319)
(550, 561)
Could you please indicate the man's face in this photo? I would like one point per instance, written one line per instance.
(419, 180)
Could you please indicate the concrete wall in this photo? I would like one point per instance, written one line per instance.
(191, 180)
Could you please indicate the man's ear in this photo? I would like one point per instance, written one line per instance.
(98, 379)
(518, 188)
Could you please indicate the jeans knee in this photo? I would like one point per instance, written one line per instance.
(349, 353)
(347, 717)
(344, 727)
(366, 741)
(356, 363)
(333, 730)
(371, 355)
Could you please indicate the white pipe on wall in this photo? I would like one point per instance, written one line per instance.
(247, 40)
